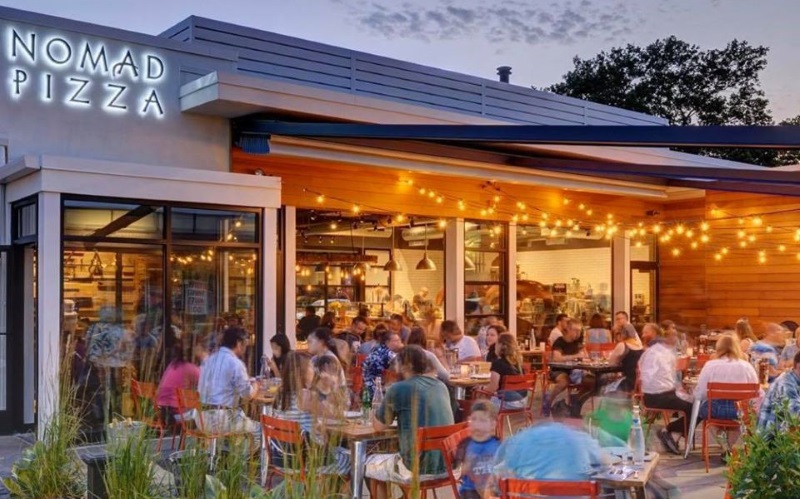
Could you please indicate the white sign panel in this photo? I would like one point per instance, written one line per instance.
(68, 69)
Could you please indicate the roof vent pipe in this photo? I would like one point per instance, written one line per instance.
(504, 72)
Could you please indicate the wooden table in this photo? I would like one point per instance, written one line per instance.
(593, 367)
(461, 385)
(358, 437)
(635, 482)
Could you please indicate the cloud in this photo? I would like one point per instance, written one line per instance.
(530, 22)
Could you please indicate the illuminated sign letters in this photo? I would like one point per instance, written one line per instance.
(57, 68)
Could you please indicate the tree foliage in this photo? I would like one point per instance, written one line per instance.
(684, 84)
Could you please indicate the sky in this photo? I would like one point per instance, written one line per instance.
(538, 38)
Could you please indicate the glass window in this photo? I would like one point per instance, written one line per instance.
(485, 274)
(98, 219)
(213, 289)
(561, 274)
(214, 225)
(113, 322)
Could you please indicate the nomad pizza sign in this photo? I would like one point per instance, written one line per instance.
(54, 67)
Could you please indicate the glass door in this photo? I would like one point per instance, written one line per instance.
(643, 293)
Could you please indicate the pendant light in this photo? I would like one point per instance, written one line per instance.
(392, 265)
(426, 263)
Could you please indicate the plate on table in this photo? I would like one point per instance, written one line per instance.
(352, 414)
(481, 376)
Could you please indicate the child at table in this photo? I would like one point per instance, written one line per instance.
(476, 453)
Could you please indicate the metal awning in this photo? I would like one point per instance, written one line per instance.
(506, 145)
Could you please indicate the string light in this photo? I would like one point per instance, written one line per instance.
(781, 247)
(757, 221)
(320, 199)
(717, 256)
(676, 252)
(704, 226)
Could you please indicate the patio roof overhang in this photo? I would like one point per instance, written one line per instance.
(510, 145)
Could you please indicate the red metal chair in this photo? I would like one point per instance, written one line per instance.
(741, 394)
(518, 383)
(146, 408)
(513, 488)
(189, 400)
(432, 438)
(290, 438)
(702, 358)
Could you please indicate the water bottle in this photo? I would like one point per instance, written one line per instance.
(637, 438)
(366, 405)
(377, 394)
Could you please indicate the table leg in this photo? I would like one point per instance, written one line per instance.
(358, 450)
(461, 393)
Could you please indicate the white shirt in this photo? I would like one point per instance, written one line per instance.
(724, 371)
(657, 368)
(467, 348)
(223, 379)
(555, 334)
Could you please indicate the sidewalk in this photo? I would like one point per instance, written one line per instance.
(11, 448)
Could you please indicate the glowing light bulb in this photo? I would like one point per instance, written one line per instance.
(566, 201)
(356, 208)
(742, 244)
(431, 194)
(676, 252)
(589, 212)
(400, 217)
(741, 234)
(333, 225)
(439, 200)
(741, 221)
(751, 238)
(782, 247)
(768, 229)
(694, 245)
(680, 229)
(704, 238)
(320, 199)
(581, 206)
(442, 224)
(656, 229)
(638, 244)
(496, 199)
(422, 190)
(717, 257)
(724, 251)
(704, 226)
(525, 217)
(757, 221)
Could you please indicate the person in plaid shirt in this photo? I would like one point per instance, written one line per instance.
(785, 387)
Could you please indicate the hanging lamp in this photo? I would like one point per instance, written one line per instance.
(426, 263)
(392, 265)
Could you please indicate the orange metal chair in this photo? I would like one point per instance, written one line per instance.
(289, 436)
(702, 358)
(513, 488)
(741, 394)
(518, 383)
(432, 438)
(189, 400)
(146, 408)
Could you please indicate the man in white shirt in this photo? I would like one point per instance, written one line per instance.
(224, 384)
(659, 384)
(468, 350)
(558, 330)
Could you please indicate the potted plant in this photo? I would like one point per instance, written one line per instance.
(767, 466)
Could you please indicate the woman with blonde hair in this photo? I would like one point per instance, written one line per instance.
(727, 366)
(508, 363)
(745, 332)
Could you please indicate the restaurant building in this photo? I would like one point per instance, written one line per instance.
(142, 200)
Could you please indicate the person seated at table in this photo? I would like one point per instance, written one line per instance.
(280, 348)
(566, 348)
(389, 344)
(508, 363)
(476, 453)
(454, 338)
(769, 347)
(418, 401)
(784, 390)
(435, 368)
(224, 385)
(788, 353)
(558, 330)
(321, 342)
(671, 334)
(308, 323)
(356, 334)
(746, 334)
(626, 354)
(483, 342)
(397, 325)
(660, 388)
(728, 365)
(622, 322)
(371, 343)
(325, 396)
(180, 373)
(492, 334)
(296, 375)
(328, 320)
(598, 334)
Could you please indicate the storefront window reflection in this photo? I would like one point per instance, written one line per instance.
(562, 273)
(127, 305)
(485, 274)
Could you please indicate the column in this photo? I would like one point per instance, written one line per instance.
(290, 276)
(48, 299)
(269, 267)
(620, 274)
(511, 278)
(454, 271)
